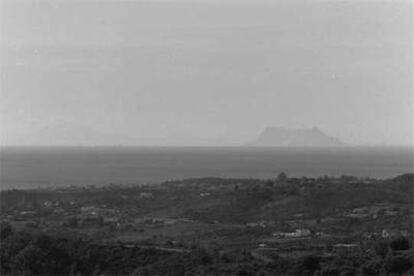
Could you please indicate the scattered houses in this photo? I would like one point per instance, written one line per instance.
(298, 233)
(146, 195)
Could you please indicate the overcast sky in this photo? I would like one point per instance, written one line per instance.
(208, 72)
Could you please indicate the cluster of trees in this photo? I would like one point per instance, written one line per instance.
(24, 253)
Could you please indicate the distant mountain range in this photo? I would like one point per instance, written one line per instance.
(68, 134)
(285, 137)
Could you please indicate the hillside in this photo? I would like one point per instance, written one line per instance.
(212, 226)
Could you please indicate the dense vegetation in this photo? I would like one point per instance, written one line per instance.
(24, 253)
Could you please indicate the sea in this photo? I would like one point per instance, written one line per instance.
(41, 167)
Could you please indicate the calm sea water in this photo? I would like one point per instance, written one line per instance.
(30, 167)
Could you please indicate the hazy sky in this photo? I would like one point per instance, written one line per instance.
(207, 72)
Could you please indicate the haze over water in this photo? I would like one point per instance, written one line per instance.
(205, 73)
(32, 167)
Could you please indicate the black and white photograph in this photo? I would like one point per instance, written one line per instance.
(206, 137)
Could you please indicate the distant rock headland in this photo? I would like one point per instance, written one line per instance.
(285, 137)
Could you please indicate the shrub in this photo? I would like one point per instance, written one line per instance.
(400, 243)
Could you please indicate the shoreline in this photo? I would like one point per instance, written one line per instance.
(343, 179)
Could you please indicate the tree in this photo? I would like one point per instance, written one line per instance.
(5, 230)
(382, 248)
(71, 222)
(307, 265)
(281, 178)
(372, 267)
(398, 263)
(400, 243)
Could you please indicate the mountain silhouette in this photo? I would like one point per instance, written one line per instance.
(285, 137)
